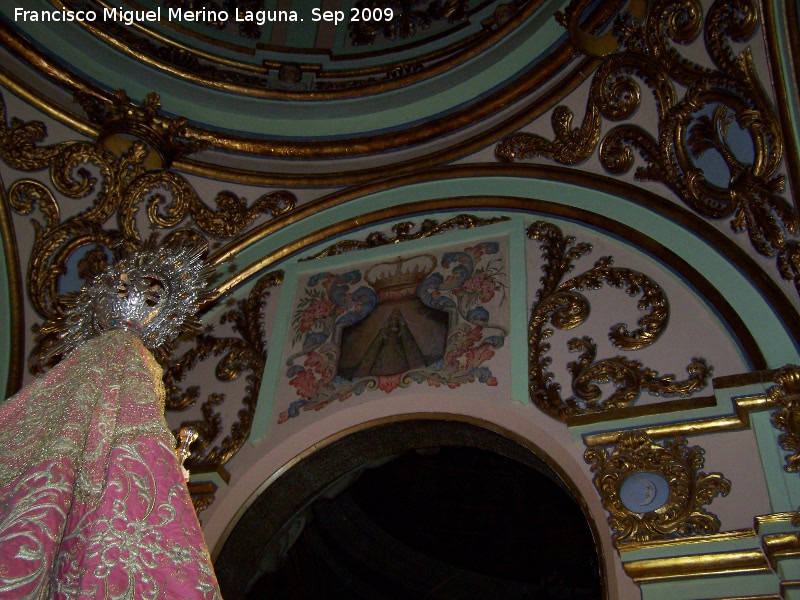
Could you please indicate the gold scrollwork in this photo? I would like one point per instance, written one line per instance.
(404, 232)
(591, 44)
(247, 353)
(561, 303)
(673, 489)
(195, 64)
(116, 183)
(787, 417)
(203, 494)
(688, 128)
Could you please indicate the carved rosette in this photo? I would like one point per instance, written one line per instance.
(114, 185)
(649, 54)
(787, 417)
(561, 303)
(655, 492)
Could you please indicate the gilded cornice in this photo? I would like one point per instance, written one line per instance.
(340, 148)
(784, 518)
(739, 420)
(778, 546)
(697, 565)
(239, 76)
(724, 537)
(770, 549)
(33, 97)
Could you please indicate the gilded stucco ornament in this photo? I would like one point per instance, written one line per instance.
(786, 395)
(655, 491)
(127, 168)
(120, 117)
(405, 231)
(688, 128)
(244, 353)
(561, 303)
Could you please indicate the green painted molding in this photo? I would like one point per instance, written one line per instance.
(398, 108)
(783, 487)
(544, 199)
(758, 585)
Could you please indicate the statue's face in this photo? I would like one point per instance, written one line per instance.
(137, 301)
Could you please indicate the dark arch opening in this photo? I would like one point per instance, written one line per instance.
(415, 508)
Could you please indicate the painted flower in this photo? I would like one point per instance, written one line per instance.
(318, 362)
(305, 383)
(479, 355)
(319, 309)
(482, 284)
(387, 383)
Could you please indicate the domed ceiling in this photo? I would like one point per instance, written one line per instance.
(302, 92)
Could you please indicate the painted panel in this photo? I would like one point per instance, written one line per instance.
(434, 318)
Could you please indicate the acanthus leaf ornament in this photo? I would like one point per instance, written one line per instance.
(714, 100)
(244, 354)
(405, 231)
(561, 303)
(786, 395)
(673, 494)
(113, 184)
(119, 116)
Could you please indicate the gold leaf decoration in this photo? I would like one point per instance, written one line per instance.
(680, 510)
(203, 494)
(560, 303)
(113, 184)
(787, 417)
(404, 231)
(715, 101)
(244, 354)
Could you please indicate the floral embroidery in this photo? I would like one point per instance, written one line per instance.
(92, 501)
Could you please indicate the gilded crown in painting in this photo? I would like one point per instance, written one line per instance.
(400, 273)
(154, 292)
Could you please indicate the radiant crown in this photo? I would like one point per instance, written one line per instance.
(154, 292)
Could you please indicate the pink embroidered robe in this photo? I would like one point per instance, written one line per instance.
(92, 500)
